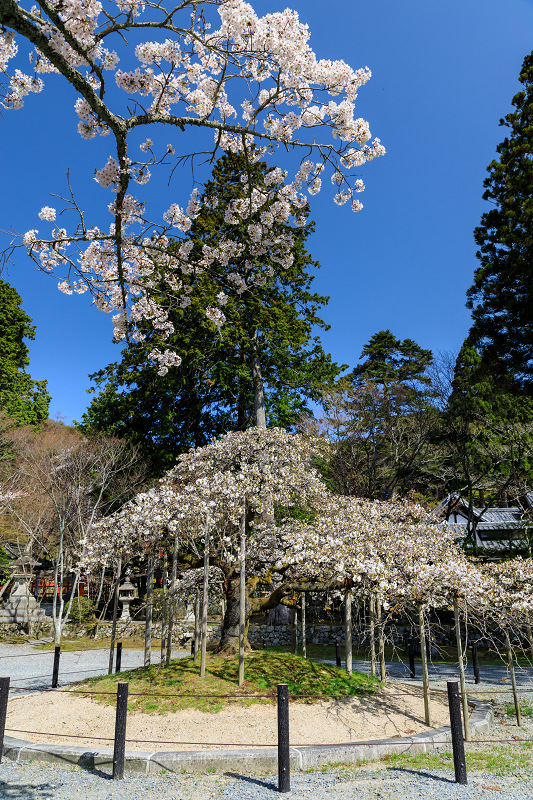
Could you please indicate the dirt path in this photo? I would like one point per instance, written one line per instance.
(395, 711)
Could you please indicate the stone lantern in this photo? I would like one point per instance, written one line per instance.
(126, 593)
(22, 606)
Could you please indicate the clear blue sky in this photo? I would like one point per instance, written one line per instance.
(443, 75)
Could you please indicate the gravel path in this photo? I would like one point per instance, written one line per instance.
(31, 669)
(33, 782)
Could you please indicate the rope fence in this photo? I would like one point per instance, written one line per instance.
(458, 724)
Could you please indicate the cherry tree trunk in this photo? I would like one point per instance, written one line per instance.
(229, 641)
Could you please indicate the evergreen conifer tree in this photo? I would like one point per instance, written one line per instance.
(501, 297)
(24, 400)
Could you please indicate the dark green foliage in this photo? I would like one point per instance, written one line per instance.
(5, 563)
(82, 611)
(486, 432)
(391, 361)
(381, 420)
(22, 399)
(213, 390)
(501, 297)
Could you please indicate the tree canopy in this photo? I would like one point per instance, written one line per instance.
(24, 400)
(501, 297)
(379, 419)
(192, 61)
(266, 344)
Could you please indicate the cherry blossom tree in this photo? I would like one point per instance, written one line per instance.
(249, 83)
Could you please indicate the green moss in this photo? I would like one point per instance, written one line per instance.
(179, 685)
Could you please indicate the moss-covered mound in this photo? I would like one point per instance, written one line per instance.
(179, 685)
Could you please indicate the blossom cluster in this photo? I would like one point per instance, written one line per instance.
(183, 78)
(391, 550)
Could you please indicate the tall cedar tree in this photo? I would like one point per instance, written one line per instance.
(267, 336)
(502, 294)
(24, 400)
(486, 432)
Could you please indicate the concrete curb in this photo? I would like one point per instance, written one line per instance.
(249, 760)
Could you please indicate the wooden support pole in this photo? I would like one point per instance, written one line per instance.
(510, 657)
(164, 608)
(173, 597)
(464, 698)
(381, 641)
(425, 676)
(149, 610)
(304, 629)
(294, 631)
(196, 639)
(115, 614)
(372, 606)
(205, 602)
(348, 631)
(242, 598)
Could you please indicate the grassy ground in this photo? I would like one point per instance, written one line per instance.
(497, 760)
(180, 685)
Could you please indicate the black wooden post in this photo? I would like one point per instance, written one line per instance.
(55, 671)
(284, 768)
(475, 662)
(119, 749)
(4, 694)
(338, 652)
(412, 672)
(118, 662)
(458, 746)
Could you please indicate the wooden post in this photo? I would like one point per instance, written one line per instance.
(459, 761)
(529, 636)
(304, 629)
(205, 603)
(294, 631)
(381, 641)
(149, 610)
(284, 773)
(348, 631)
(372, 605)
(425, 676)
(118, 662)
(114, 622)
(242, 598)
(510, 656)
(4, 696)
(411, 646)
(464, 698)
(119, 749)
(173, 592)
(475, 662)
(55, 669)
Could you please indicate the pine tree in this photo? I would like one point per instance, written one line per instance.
(24, 400)
(265, 347)
(501, 297)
